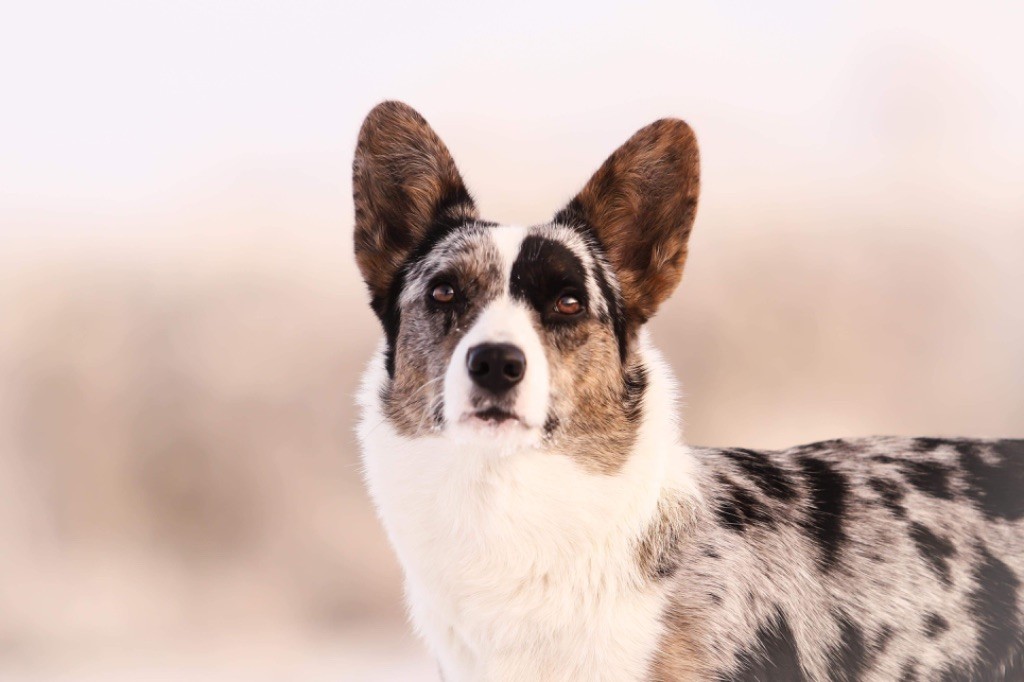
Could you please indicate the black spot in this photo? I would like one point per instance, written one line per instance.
(908, 673)
(935, 625)
(931, 478)
(543, 271)
(738, 509)
(934, 550)
(891, 493)
(771, 479)
(773, 657)
(996, 488)
(665, 565)
(881, 642)
(835, 445)
(829, 491)
(994, 603)
(851, 657)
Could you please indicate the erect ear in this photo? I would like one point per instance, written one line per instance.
(405, 185)
(640, 206)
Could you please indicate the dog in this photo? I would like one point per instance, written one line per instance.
(520, 443)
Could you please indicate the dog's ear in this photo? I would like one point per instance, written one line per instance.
(404, 184)
(640, 206)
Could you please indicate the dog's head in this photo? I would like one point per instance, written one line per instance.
(514, 335)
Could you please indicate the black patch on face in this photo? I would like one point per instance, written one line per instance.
(997, 489)
(738, 509)
(829, 492)
(934, 550)
(773, 481)
(773, 657)
(892, 495)
(544, 270)
(935, 625)
(851, 657)
(994, 603)
(386, 307)
(572, 216)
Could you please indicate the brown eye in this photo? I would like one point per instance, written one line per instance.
(443, 293)
(568, 305)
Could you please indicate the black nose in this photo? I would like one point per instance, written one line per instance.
(496, 367)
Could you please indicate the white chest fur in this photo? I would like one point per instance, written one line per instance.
(522, 565)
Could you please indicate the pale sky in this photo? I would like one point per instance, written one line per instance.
(119, 108)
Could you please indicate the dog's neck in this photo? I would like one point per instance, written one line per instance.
(484, 534)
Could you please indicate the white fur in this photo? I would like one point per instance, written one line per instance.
(508, 239)
(523, 566)
(502, 321)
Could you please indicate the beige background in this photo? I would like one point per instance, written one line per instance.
(182, 326)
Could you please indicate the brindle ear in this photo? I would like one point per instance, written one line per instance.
(640, 206)
(405, 185)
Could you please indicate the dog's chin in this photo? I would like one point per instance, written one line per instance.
(495, 428)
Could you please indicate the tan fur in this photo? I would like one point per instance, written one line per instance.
(679, 656)
(587, 398)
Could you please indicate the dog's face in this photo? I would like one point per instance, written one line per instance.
(509, 335)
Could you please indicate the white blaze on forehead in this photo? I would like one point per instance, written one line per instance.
(508, 239)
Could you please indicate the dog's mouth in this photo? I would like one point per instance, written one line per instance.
(494, 415)
(498, 428)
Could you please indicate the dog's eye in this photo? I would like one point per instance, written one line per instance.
(567, 304)
(443, 293)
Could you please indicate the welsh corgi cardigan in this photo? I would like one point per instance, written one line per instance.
(520, 442)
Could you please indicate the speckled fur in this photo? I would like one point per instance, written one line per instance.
(583, 541)
(866, 559)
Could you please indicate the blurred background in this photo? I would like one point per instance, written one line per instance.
(182, 326)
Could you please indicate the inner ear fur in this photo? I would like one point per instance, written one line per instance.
(640, 206)
(405, 185)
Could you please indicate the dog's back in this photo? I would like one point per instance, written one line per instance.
(867, 559)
